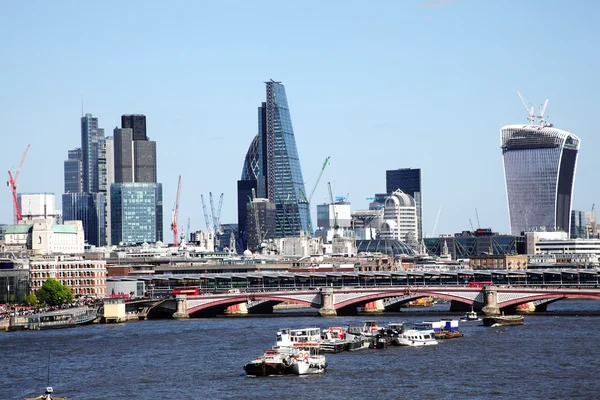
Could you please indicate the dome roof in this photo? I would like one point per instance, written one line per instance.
(401, 199)
(247, 253)
(390, 247)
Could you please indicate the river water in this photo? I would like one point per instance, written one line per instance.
(549, 357)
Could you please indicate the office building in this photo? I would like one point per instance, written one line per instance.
(261, 216)
(273, 163)
(92, 138)
(539, 169)
(37, 206)
(110, 179)
(400, 218)
(74, 171)
(137, 124)
(90, 209)
(136, 213)
(578, 226)
(134, 160)
(408, 180)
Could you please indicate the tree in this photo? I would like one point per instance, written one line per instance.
(54, 293)
(31, 299)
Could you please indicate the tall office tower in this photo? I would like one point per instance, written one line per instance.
(37, 206)
(272, 161)
(74, 172)
(137, 123)
(135, 160)
(539, 169)
(91, 141)
(578, 228)
(89, 208)
(110, 179)
(400, 218)
(408, 180)
(136, 213)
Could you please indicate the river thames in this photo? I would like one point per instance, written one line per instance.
(549, 357)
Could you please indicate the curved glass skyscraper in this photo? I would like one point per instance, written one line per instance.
(272, 166)
(539, 169)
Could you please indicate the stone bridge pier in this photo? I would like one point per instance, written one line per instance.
(182, 307)
(327, 308)
(490, 296)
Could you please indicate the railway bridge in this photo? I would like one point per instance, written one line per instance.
(331, 301)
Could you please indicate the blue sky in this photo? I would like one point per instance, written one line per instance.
(374, 85)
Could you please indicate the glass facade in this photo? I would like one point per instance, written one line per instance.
(467, 244)
(91, 140)
(136, 213)
(273, 162)
(89, 208)
(539, 168)
(73, 172)
(578, 228)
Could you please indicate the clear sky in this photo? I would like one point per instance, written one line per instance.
(374, 85)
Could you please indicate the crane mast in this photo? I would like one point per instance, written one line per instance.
(206, 218)
(218, 226)
(12, 183)
(174, 215)
(335, 220)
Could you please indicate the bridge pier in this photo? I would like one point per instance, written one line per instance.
(327, 309)
(182, 307)
(490, 295)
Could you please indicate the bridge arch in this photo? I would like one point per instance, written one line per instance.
(224, 303)
(551, 297)
(380, 296)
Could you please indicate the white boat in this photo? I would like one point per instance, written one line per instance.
(302, 348)
(471, 316)
(410, 336)
(333, 340)
(272, 362)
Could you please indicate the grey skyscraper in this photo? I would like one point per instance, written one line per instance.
(409, 181)
(273, 163)
(91, 147)
(74, 172)
(539, 168)
(137, 123)
(90, 209)
(135, 159)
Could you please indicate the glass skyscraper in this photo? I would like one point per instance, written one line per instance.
(539, 168)
(89, 208)
(272, 162)
(92, 146)
(136, 213)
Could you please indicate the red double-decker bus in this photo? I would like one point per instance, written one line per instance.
(189, 290)
(480, 284)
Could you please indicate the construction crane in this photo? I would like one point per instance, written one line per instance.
(206, 218)
(335, 220)
(188, 233)
(305, 199)
(477, 215)
(174, 214)
(218, 218)
(12, 183)
(436, 222)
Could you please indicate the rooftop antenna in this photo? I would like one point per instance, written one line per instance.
(82, 105)
(530, 112)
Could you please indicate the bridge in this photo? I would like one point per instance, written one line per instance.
(331, 301)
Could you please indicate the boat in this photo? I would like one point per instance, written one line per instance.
(68, 318)
(46, 396)
(272, 362)
(287, 337)
(444, 329)
(410, 335)
(504, 320)
(305, 359)
(471, 316)
(333, 340)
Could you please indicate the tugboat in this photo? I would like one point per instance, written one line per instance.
(470, 316)
(504, 320)
(46, 396)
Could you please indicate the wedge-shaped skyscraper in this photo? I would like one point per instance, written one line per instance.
(272, 167)
(539, 169)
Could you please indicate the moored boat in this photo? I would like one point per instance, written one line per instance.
(412, 336)
(471, 316)
(504, 320)
(272, 362)
(333, 340)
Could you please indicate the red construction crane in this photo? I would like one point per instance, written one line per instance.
(174, 213)
(12, 183)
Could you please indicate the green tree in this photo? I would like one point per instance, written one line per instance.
(31, 299)
(54, 293)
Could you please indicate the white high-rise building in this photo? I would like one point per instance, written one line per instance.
(400, 218)
(37, 206)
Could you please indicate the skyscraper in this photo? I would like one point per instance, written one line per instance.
(136, 213)
(539, 169)
(408, 180)
(91, 142)
(272, 162)
(90, 209)
(137, 123)
(74, 172)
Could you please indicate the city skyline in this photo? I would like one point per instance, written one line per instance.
(366, 97)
